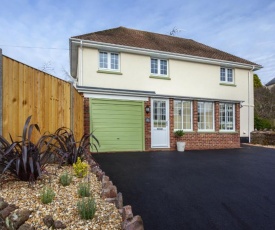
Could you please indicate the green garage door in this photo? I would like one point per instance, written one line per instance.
(118, 125)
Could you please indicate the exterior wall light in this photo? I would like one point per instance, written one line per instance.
(147, 109)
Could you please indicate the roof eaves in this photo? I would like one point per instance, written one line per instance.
(102, 45)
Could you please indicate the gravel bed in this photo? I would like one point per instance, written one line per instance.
(64, 205)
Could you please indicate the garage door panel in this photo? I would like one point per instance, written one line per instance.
(118, 125)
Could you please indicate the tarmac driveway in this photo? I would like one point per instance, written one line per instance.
(217, 189)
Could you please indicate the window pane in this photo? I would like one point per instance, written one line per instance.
(103, 60)
(205, 116)
(227, 116)
(114, 61)
(163, 67)
(187, 115)
(229, 75)
(154, 66)
(177, 115)
(222, 74)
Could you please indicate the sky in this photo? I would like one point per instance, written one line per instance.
(37, 32)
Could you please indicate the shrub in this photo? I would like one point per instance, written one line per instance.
(261, 123)
(47, 195)
(86, 208)
(65, 179)
(84, 190)
(70, 149)
(24, 159)
(80, 168)
(179, 133)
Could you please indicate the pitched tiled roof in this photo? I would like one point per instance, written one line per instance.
(159, 42)
(272, 82)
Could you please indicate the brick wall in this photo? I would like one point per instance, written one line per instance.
(147, 126)
(86, 116)
(195, 139)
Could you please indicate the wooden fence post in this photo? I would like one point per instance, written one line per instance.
(72, 107)
(1, 92)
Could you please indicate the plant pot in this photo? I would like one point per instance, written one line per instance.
(181, 146)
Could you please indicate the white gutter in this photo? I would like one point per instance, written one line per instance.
(248, 101)
(161, 54)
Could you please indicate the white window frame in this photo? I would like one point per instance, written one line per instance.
(226, 69)
(191, 115)
(159, 67)
(109, 61)
(204, 112)
(226, 117)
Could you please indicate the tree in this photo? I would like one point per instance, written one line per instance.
(257, 81)
(264, 102)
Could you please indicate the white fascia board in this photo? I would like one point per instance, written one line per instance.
(161, 54)
(115, 97)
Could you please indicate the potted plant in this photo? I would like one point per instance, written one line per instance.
(180, 144)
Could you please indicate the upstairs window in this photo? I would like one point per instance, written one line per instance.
(159, 67)
(226, 75)
(109, 61)
(227, 117)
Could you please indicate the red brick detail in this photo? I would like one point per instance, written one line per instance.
(237, 117)
(147, 125)
(198, 140)
(86, 116)
(217, 116)
(195, 116)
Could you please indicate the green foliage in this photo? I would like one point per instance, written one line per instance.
(84, 190)
(261, 123)
(257, 81)
(47, 195)
(86, 208)
(179, 133)
(65, 179)
(80, 168)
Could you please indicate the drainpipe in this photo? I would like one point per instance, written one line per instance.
(248, 101)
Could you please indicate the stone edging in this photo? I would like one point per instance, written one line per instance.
(11, 217)
(110, 194)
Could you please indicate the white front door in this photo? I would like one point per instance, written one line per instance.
(160, 123)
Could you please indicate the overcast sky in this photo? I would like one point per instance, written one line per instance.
(37, 32)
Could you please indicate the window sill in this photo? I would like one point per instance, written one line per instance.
(228, 132)
(160, 77)
(228, 84)
(109, 72)
(207, 131)
(185, 131)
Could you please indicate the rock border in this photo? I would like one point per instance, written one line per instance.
(11, 217)
(110, 194)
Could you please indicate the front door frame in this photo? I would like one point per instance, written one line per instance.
(167, 139)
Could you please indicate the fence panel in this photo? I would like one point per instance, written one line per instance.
(28, 91)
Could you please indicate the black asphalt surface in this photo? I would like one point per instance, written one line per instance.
(210, 189)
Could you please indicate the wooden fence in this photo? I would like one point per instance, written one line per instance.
(53, 103)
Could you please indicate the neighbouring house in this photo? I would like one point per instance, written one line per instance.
(139, 87)
(270, 84)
